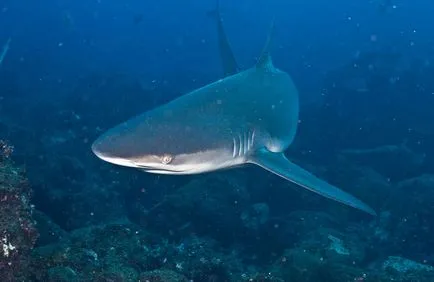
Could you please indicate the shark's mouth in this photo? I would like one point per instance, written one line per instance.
(163, 171)
(152, 169)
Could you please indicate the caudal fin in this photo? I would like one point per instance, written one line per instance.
(280, 165)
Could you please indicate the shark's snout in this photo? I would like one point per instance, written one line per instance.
(97, 149)
(102, 150)
(106, 149)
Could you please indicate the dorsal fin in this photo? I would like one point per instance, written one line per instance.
(265, 61)
(229, 63)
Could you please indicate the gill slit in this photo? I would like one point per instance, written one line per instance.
(240, 147)
(243, 143)
(234, 148)
(246, 142)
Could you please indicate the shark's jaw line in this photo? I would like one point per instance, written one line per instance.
(197, 169)
(114, 160)
(237, 157)
(193, 167)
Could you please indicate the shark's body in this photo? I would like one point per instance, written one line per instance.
(249, 117)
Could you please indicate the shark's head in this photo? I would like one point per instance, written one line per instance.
(167, 147)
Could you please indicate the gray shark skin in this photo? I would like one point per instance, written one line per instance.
(250, 117)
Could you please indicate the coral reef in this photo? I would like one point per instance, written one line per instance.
(17, 228)
(125, 252)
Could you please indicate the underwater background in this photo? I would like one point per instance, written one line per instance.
(69, 70)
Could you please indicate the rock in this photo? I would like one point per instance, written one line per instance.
(411, 211)
(112, 251)
(338, 246)
(256, 216)
(388, 160)
(208, 204)
(162, 275)
(335, 247)
(119, 273)
(200, 259)
(403, 265)
(301, 265)
(413, 195)
(402, 269)
(17, 228)
(423, 182)
(49, 232)
(298, 224)
(62, 274)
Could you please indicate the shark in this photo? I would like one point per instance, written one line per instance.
(247, 117)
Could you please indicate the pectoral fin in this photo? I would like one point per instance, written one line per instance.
(280, 165)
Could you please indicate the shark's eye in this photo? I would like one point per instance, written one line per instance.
(166, 159)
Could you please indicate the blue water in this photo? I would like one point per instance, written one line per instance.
(101, 35)
(76, 68)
